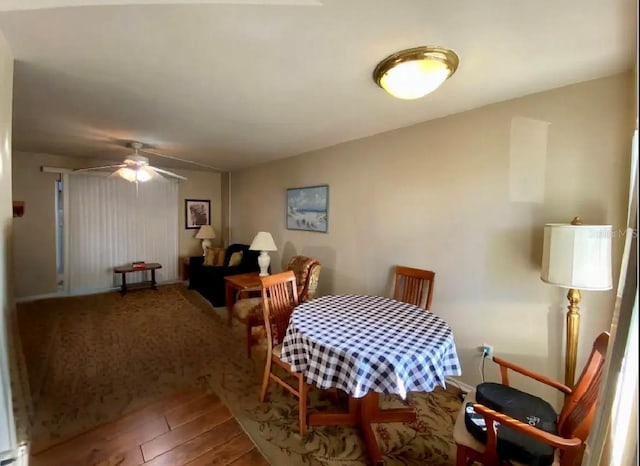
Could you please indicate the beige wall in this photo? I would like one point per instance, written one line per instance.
(7, 430)
(437, 195)
(226, 179)
(34, 248)
(200, 185)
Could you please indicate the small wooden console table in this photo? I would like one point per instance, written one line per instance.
(124, 270)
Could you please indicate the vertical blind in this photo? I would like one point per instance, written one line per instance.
(111, 223)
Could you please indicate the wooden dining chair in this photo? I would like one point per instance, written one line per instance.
(279, 297)
(414, 286)
(573, 422)
(248, 310)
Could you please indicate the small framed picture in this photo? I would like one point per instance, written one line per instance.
(18, 208)
(307, 208)
(197, 212)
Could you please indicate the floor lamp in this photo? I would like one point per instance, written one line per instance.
(577, 257)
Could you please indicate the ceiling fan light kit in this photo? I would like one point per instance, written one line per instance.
(132, 175)
(414, 73)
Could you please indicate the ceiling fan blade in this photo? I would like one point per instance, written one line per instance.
(104, 167)
(168, 173)
(152, 152)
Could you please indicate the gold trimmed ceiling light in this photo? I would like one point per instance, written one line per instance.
(415, 72)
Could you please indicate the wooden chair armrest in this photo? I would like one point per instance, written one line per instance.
(572, 448)
(505, 365)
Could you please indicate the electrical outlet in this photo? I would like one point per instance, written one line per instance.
(486, 350)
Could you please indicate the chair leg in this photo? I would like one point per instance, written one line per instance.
(303, 390)
(461, 456)
(265, 378)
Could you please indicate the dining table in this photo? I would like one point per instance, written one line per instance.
(366, 346)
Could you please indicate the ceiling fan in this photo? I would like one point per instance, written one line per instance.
(136, 168)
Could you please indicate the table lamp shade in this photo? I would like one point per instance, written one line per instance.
(577, 256)
(263, 241)
(205, 232)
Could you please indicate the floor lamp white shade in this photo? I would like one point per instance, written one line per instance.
(263, 242)
(577, 257)
(206, 234)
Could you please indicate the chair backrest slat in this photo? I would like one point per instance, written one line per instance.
(279, 297)
(414, 286)
(579, 408)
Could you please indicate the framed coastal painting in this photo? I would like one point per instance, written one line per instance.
(307, 208)
(197, 212)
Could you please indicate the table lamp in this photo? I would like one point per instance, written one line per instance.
(206, 234)
(577, 257)
(263, 242)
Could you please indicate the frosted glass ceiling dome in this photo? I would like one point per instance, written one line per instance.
(414, 73)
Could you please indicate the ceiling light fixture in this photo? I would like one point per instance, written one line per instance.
(413, 73)
(134, 174)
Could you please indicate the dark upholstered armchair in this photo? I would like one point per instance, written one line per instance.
(208, 280)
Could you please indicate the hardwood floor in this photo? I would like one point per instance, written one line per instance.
(191, 428)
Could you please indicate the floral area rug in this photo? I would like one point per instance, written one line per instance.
(91, 359)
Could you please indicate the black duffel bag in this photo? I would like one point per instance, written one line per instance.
(514, 445)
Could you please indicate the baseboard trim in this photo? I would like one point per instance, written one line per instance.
(62, 294)
(24, 299)
(455, 382)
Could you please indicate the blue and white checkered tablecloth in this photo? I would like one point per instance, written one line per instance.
(369, 343)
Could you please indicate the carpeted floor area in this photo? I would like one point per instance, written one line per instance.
(93, 358)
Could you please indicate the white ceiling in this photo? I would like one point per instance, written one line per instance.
(235, 83)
